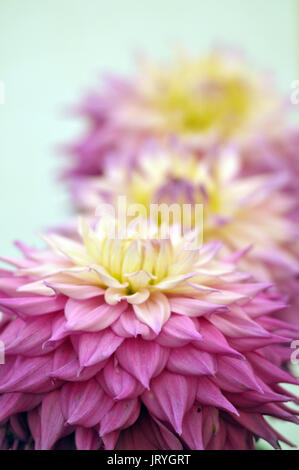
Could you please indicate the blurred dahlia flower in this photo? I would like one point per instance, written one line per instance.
(240, 211)
(277, 152)
(139, 344)
(201, 101)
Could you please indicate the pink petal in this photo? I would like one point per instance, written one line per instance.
(236, 376)
(27, 338)
(92, 314)
(128, 325)
(18, 426)
(209, 394)
(210, 427)
(191, 307)
(170, 397)
(28, 375)
(32, 306)
(269, 372)
(76, 291)
(236, 324)
(34, 423)
(142, 359)
(84, 403)
(178, 331)
(12, 403)
(191, 361)
(192, 429)
(110, 440)
(66, 366)
(213, 341)
(87, 439)
(118, 383)
(122, 415)
(154, 312)
(95, 347)
(52, 420)
(258, 426)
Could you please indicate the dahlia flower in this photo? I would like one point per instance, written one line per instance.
(240, 211)
(139, 343)
(276, 152)
(201, 101)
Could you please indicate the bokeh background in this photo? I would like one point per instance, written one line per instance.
(51, 51)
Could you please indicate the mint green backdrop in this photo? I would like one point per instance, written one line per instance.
(52, 50)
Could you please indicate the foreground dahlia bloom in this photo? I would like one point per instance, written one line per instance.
(140, 344)
(201, 101)
(239, 211)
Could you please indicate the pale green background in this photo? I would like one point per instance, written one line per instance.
(52, 50)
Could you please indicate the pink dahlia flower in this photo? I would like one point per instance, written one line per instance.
(255, 211)
(140, 344)
(201, 101)
(278, 152)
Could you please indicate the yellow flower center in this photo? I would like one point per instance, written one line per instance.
(197, 96)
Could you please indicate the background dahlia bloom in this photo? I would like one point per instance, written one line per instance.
(277, 152)
(140, 344)
(241, 211)
(201, 101)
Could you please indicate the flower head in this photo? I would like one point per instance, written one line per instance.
(200, 101)
(141, 344)
(214, 95)
(238, 210)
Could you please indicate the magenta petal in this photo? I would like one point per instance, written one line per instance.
(66, 366)
(34, 423)
(219, 439)
(95, 347)
(87, 439)
(19, 427)
(27, 338)
(92, 314)
(28, 375)
(269, 372)
(236, 376)
(52, 420)
(209, 394)
(258, 425)
(142, 359)
(238, 437)
(59, 331)
(192, 429)
(167, 438)
(213, 341)
(178, 331)
(76, 291)
(110, 439)
(211, 423)
(191, 307)
(10, 284)
(148, 434)
(32, 306)
(191, 361)
(170, 397)
(11, 403)
(84, 403)
(122, 415)
(237, 325)
(128, 325)
(118, 383)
